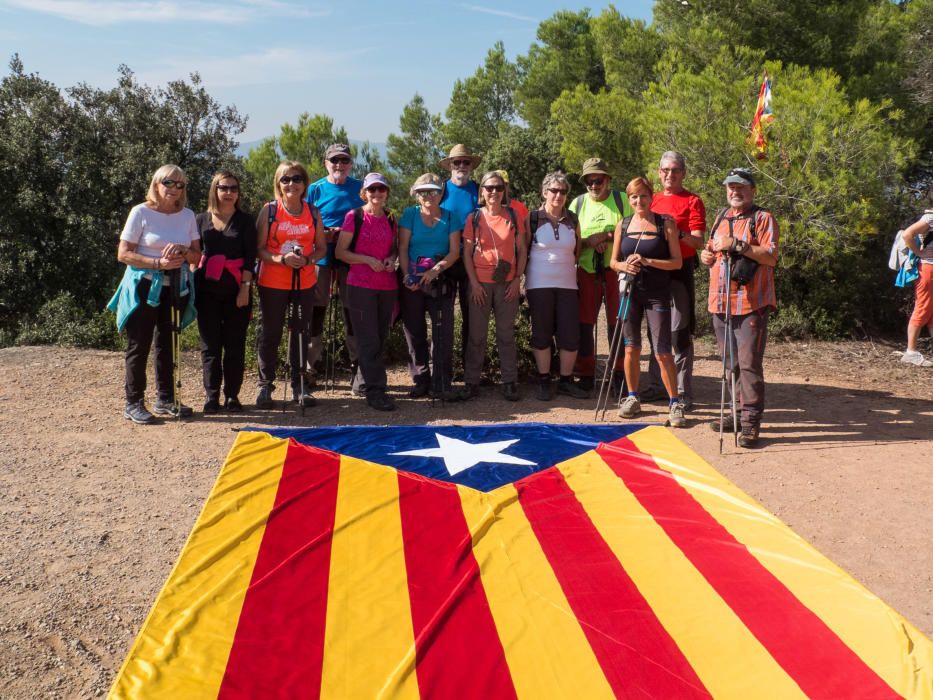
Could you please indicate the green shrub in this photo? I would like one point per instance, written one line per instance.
(62, 321)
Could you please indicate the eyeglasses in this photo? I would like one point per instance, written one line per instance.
(228, 188)
(557, 192)
(669, 171)
(177, 184)
(377, 188)
(297, 179)
(343, 160)
(461, 163)
(594, 182)
(494, 188)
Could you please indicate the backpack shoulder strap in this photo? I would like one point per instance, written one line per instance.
(514, 217)
(620, 205)
(474, 218)
(357, 226)
(720, 215)
(626, 222)
(577, 204)
(272, 209)
(534, 219)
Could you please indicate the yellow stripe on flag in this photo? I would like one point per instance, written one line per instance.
(546, 650)
(709, 634)
(182, 649)
(369, 642)
(872, 629)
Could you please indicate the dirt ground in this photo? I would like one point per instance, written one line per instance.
(94, 510)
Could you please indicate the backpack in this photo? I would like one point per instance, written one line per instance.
(743, 268)
(535, 218)
(358, 225)
(577, 205)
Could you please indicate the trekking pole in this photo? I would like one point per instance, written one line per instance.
(598, 266)
(295, 335)
(728, 355)
(330, 329)
(605, 387)
(175, 287)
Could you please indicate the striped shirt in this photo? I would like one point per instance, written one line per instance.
(759, 292)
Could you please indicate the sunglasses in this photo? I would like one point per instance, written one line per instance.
(177, 184)
(556, 192)
(494, 188)
(377, 188)
(228, 188)
(461, 163)
(668, 171)
(428, 193)
(297, 179)
(340, 161)
(594, 182)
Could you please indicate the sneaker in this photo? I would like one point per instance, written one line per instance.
(469, 391)
(653, 393)
(630, 408)
(211, 406)
(586, 383)
(233, 405)
(379, 401)
(447, 395)
(510, 391)
(543, 390)
(912, 357)
(676, 418)
(168, 408)
(728, 426)
(749, 436)
(138, 413)
(572, 390)
(264, 397)
(305, 399)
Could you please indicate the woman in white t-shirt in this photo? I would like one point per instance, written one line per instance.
(919, 238)
(160, 235)
(551, 286)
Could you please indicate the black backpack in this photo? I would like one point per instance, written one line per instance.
(743, 268)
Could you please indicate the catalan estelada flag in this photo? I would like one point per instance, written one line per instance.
(523, 560)
(763, 117)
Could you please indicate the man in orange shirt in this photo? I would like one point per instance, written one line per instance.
(744, 237)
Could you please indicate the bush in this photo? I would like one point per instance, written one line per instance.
(62, 321)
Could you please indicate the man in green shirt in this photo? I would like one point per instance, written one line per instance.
(599, 210)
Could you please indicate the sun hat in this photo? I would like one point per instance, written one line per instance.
(456, 153)
(337, 149)
(739, 176)
(428, 181)
(375, 179)
(594, 166)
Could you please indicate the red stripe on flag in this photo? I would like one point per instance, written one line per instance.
(634, 650)
(458, 650)
(820, 663)
(278, 648)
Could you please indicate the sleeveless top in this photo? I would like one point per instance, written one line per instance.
(651, 282)
(551, 261)
(285, 233)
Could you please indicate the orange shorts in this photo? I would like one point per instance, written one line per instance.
(923, 295)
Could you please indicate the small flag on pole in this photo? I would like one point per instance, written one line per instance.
(763, 117)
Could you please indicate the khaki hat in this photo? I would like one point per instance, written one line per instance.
(337, 149)
(594, 166)
(458, 152)
(427, 182)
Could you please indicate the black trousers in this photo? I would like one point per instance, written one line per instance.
(273, 303)
(145, 324)
(222, 325)
(436, 356)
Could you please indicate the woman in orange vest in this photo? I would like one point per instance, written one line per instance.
(291, 237)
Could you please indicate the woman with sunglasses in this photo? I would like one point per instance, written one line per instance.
(367, 243)
(160, 235)
(495, 251)
(290, 237)
(551, 287)
(429, 244)
(647, 249)
(222, 281)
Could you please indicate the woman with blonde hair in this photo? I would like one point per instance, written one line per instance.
(645, 249)
(290, 241)
(222, 282)
(160, 235)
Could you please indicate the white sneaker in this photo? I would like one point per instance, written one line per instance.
(630, 407)
(676, 418)
(912, 357)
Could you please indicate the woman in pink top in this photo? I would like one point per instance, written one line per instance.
(368, 243)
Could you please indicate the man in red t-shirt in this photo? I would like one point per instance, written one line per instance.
(689, 214)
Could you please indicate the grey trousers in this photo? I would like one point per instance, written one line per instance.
(321, 299)
(505, 313)
(749, 336)
(681, 342)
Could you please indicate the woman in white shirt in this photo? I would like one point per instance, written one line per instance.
(551, 286)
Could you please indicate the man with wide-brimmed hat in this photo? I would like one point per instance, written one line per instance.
(460, 198)
(599, 210)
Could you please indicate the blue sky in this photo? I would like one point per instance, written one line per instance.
(359, 62)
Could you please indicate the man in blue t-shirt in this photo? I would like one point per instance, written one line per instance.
(334, 195)
(461, 196)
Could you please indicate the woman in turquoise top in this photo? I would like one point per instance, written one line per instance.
(429, 243)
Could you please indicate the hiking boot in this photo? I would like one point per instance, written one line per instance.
(446, 395)
(749, 436)
(728, 426)
(653, 393)
(572, 390)
(211, 406)
(168, 408)
(138, 413)
(469, 391)
(379, 401)
(510, 391)
(912, 357)
(264, 397)
(233, 405)
(630, 407)
(586, 383)
(676, 417)
(543, 390)
(305, 399)
(420, 389)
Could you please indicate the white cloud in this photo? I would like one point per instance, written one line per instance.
(101, 13)
(498, 13)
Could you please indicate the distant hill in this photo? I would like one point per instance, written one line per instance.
(245, 147)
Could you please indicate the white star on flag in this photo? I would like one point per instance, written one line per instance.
(459, 455)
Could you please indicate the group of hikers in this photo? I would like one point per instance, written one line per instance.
(466, 242)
